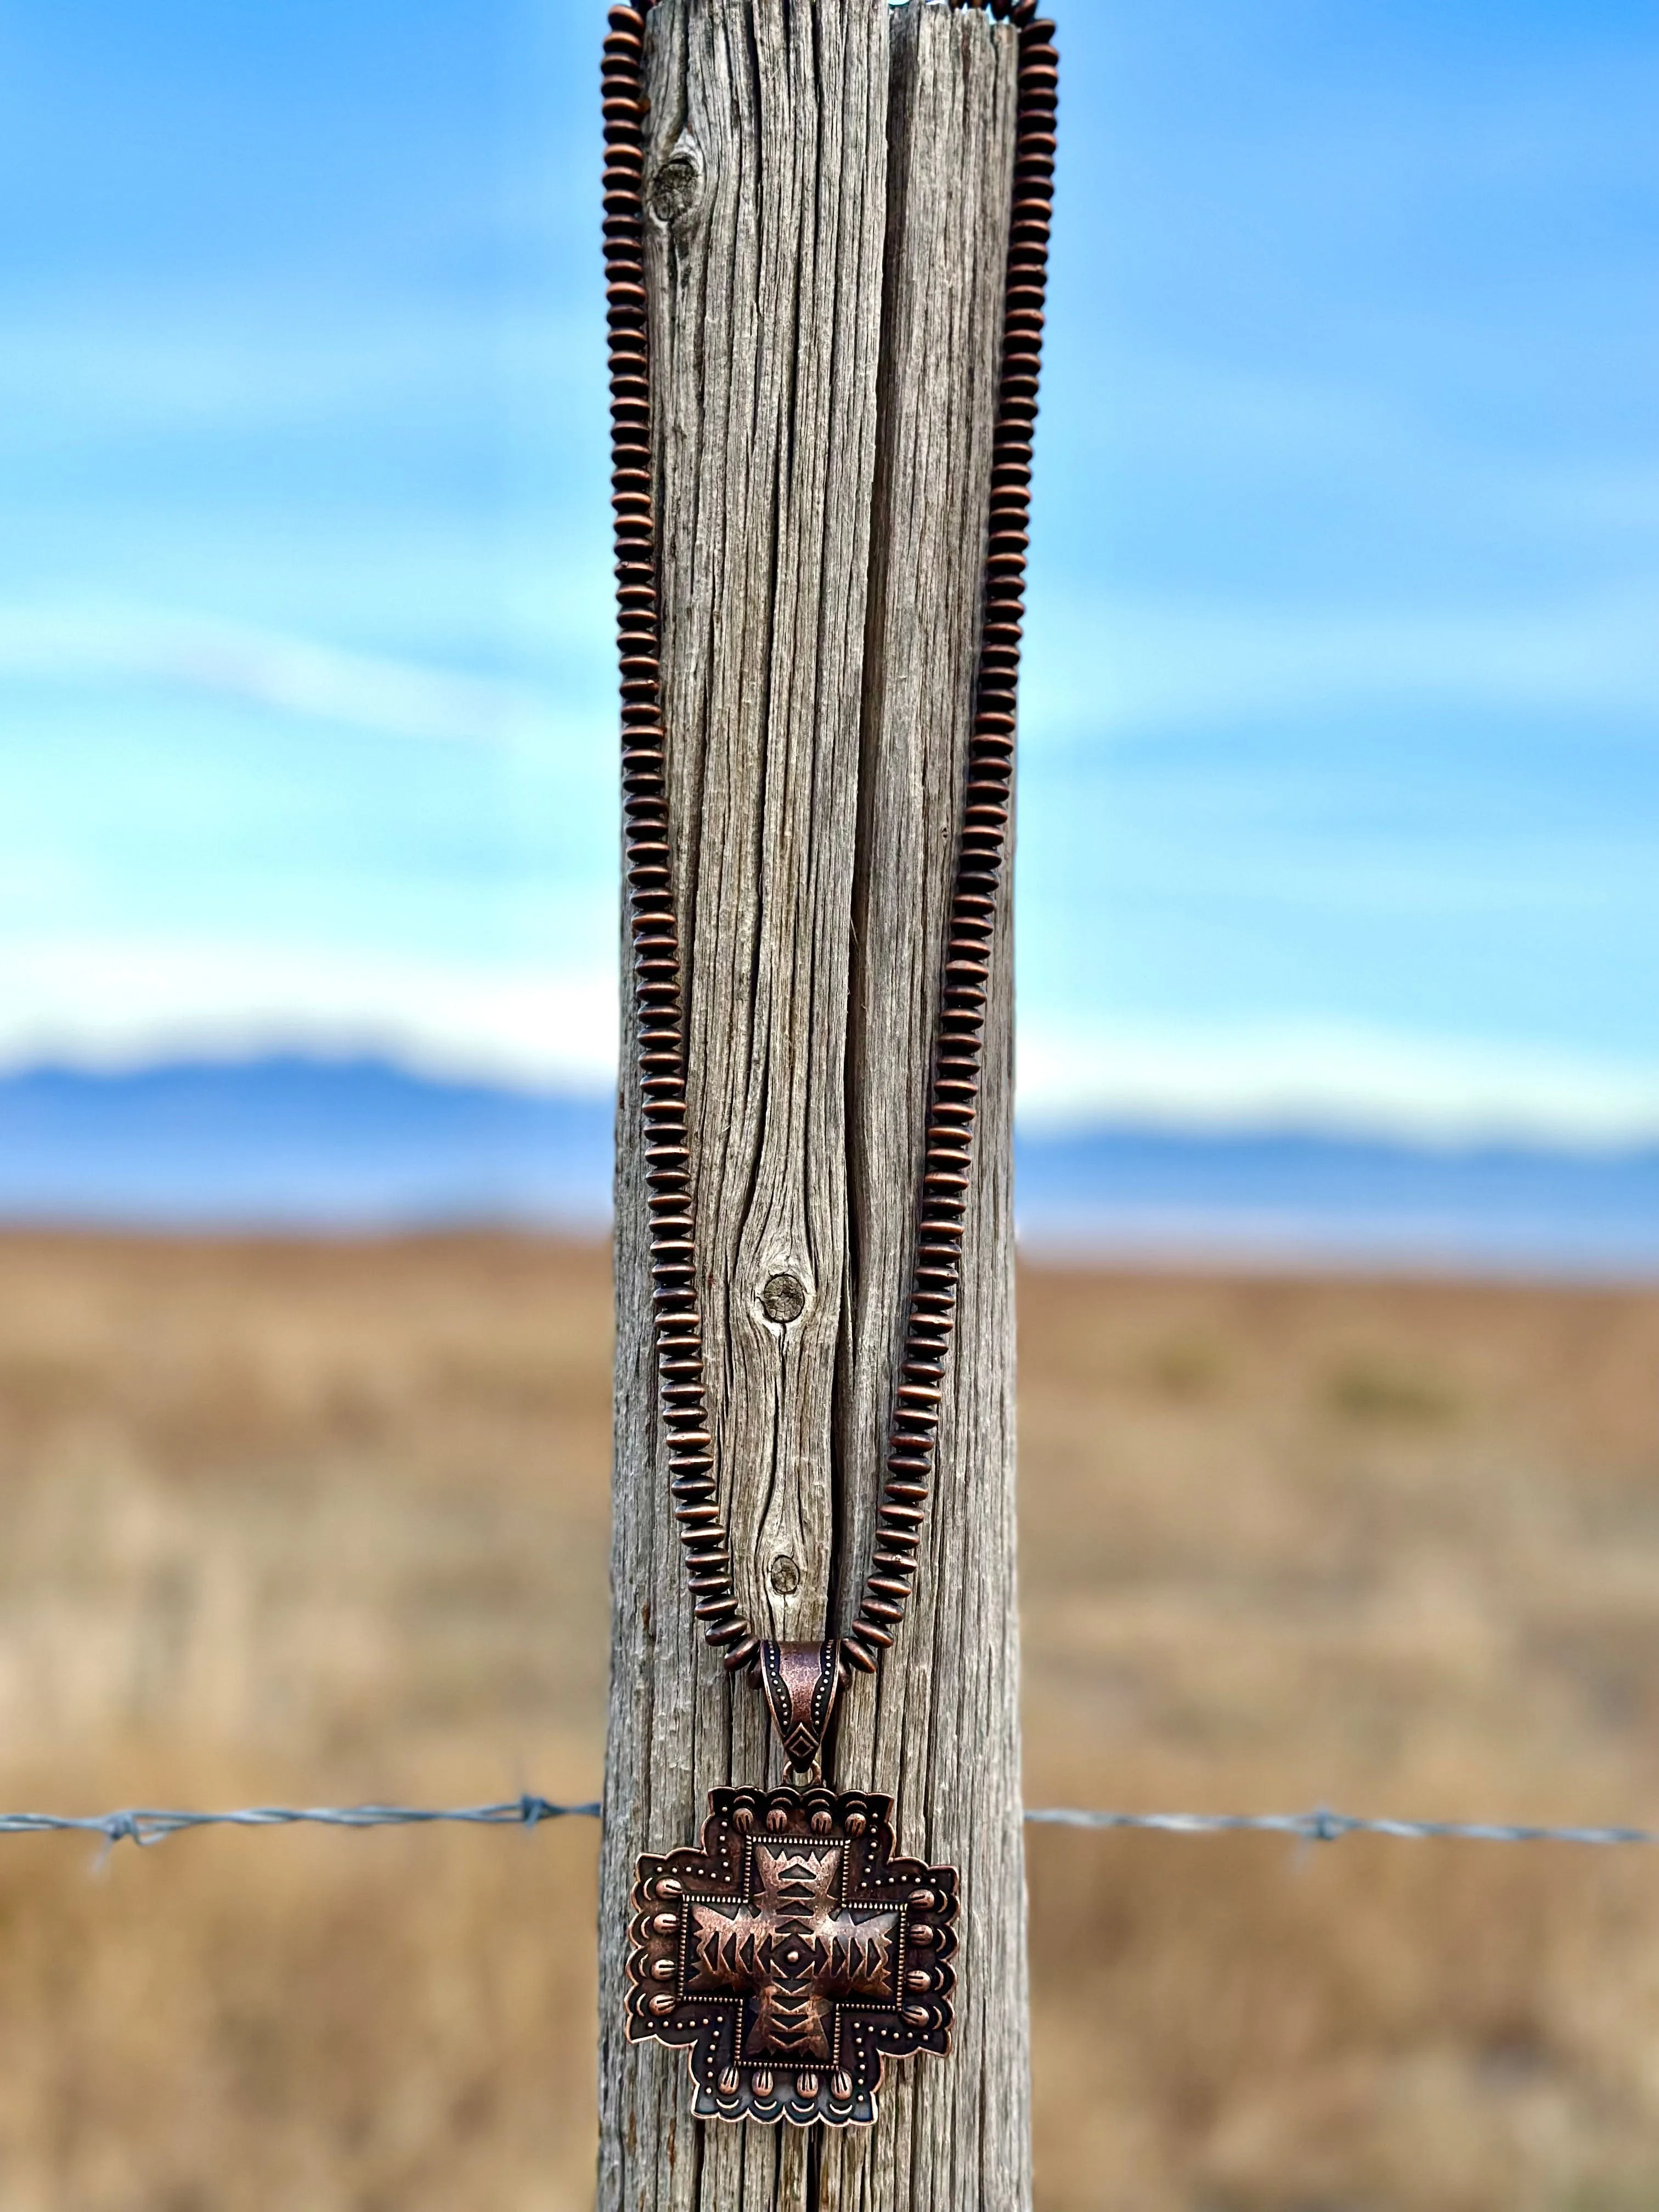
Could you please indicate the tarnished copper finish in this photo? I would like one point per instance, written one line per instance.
(802, 1682)
(778, 1974)
(792, 1956)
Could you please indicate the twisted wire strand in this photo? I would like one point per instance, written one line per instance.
(1323, 1826)
(145, 1824)
(148, 1825)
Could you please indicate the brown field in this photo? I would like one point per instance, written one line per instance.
(329, 1522)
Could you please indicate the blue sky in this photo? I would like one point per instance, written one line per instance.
(1340, 795)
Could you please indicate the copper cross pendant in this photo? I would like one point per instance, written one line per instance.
(792, 1954)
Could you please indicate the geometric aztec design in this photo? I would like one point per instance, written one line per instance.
(792, 1956)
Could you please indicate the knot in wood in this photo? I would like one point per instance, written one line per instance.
(783, 1299)
(675, 191)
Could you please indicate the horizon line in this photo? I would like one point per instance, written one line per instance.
(1138, 1112)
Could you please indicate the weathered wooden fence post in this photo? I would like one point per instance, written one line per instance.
(827, 193)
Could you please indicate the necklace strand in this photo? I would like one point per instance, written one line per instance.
(982, 860)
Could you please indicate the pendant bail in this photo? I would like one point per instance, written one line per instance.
(802, 1682)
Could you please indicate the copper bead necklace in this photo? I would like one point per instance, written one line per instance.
(794, 1952)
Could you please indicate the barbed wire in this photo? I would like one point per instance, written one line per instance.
(149, 1825)
(1322, 1826)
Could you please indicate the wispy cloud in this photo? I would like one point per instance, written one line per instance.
(398, 698)
(1335, 1076)
(99, 1002)
(1117, 663)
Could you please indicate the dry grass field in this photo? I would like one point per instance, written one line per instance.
(330, 1521)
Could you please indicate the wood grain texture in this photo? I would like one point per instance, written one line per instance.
(829, 184)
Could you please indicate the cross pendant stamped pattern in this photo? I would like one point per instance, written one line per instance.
(792, 1955)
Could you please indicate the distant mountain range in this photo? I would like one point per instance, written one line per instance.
(290, 1143)
(1325, 1200)
(297, 1143)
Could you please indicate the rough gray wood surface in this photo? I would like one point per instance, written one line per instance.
(829, 182)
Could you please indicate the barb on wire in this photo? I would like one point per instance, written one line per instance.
(147, 1824)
